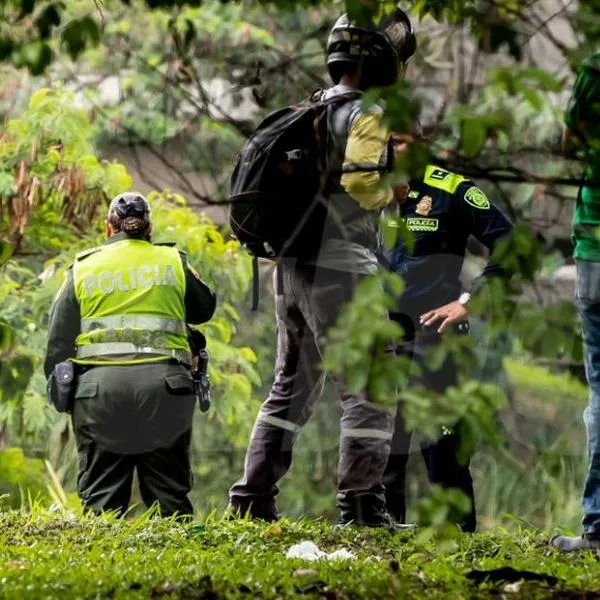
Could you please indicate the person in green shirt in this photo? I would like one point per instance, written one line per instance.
(583, 129)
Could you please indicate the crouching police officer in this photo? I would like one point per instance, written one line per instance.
(121, 317)
(441, 209)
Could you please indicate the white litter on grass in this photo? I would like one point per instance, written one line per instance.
(308, 550)
(341, 554)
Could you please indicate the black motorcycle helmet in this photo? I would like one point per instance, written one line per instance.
(378, 51)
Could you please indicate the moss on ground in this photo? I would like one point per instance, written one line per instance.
(51, 556)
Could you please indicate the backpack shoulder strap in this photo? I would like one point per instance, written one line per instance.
(255, 285)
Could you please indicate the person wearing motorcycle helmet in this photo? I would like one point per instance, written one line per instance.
(312, 293)
(377, 54)
(120, 318)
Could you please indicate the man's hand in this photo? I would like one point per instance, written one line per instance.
(450, 313)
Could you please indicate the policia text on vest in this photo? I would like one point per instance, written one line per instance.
(131, 279)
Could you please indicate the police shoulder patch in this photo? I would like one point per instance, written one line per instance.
(476, 198)
(442, 179)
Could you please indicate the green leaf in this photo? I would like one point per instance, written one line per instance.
(48, 18)
(78, 33)
(362, 11)
(7, 337)
(474, 135)
(543, 79)
(38, 97)
(27, 7)
(534, 98)
(36, 56)
(6, 48)
(6, 251)
(189, 36)
(502, 33)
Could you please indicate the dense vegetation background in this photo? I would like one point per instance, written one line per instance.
(99, 97)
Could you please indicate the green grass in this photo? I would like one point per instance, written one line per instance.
(47, 555)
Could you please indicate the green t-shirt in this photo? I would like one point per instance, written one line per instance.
(583, 116)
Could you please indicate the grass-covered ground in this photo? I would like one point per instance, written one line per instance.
(51, 556)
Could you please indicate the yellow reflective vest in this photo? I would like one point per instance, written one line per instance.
(131, 295)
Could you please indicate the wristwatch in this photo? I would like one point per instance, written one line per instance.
(464, 298)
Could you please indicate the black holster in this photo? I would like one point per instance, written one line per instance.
(202, 381)
(61, 386)
(200, 373)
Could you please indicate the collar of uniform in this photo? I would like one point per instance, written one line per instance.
(119, 237)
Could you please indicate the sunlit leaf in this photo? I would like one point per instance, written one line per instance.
(6, 251)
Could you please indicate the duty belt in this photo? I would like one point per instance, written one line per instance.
(114, 348)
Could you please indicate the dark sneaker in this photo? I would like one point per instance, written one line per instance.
(566, 543)
(254, 510)
(365, 511)
(385, 521)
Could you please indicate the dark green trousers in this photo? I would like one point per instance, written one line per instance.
(129, 418)
(164, 475)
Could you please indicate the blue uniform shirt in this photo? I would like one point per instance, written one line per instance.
(442, 210)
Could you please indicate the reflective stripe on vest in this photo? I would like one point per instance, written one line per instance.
(115, 348)
(134, 322)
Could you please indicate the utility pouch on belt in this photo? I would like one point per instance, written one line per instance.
(61, 386)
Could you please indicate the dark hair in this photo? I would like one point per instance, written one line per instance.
(131, 216)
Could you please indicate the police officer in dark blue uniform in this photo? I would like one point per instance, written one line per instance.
(441, 209)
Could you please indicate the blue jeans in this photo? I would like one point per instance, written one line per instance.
(588, 303)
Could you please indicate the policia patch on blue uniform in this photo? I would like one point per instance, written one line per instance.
(421, 224)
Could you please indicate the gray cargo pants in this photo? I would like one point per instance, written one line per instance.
(308, 302)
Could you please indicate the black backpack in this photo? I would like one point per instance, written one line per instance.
(278, 195)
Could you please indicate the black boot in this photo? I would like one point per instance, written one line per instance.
(255, 509)
(366, 511)
(396, 505)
